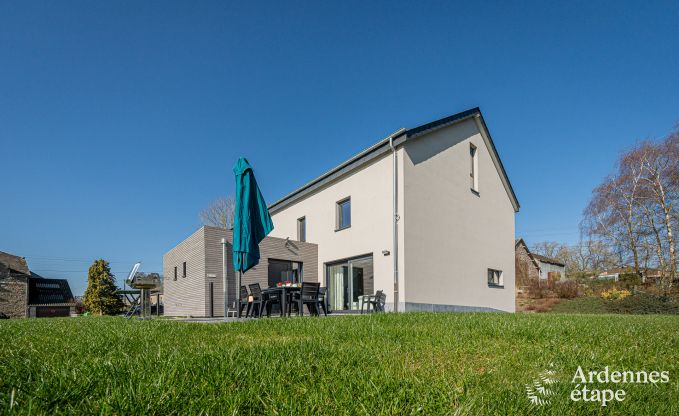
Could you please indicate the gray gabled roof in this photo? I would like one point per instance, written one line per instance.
(14, 263)
(549, 260)
(382, 147)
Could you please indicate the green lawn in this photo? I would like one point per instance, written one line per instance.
(589, 304)
(379, 364)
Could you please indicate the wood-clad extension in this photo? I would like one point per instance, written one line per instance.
(202, 251)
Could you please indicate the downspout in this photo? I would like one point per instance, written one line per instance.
(224, 281)
(395, 219)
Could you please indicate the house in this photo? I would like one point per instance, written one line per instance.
(193, 270)
(426, 214)
(530, 265)
(647, 274)
(550, 268)
(526, 266)
(26, 294)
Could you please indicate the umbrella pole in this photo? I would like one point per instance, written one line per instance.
(238, 291)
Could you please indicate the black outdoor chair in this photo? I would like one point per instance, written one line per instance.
(376, 302)
(379, 301)
(321, 299)
(258, 299)
(243, 301)
(307, 296)
(273, 298)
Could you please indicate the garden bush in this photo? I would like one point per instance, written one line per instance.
(536, 289)
(615, 294)
(629, 279)
(567, 289)
(645, 303)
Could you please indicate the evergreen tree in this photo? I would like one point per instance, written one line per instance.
(100, 297)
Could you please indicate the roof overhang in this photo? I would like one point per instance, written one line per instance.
(383, 146)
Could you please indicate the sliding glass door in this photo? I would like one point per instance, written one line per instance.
(348, 280)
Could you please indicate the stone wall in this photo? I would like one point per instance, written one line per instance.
(526, 270)
(13, 297)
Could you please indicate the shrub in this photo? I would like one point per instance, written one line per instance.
(629, 279)
(536, 289)
(645, 303)
(615, 294)
(567, 289)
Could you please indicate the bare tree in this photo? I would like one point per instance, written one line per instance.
(635, 210)
(612, 214)
(661, 165)
(547, 248)
(219, 213)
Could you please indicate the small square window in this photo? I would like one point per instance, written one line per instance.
(495, 278)
(343, 214)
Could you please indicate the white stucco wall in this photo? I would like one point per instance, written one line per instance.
(370, 189)
(448, 236)
(452, 234)
(545, 268)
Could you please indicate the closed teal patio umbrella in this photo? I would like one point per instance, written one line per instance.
(251, 219)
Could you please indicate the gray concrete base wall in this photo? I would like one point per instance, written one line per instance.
(431, 307)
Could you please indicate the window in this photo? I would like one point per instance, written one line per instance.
(343, 214)
(473, 168)
(175, 272)
(301, 229)
(495, 278)
(283, 271)
(184, 269)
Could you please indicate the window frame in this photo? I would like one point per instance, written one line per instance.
(301, 229)
(474, 168)
(338, 214)
(500, 278)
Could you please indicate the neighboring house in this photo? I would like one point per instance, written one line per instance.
(425, 214)
(26, 294)
(614, 274)
(527, 267)
(550, 268)
(14, 275)
(193, 270)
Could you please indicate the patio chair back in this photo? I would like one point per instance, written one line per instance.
(381, 300)
(310, 290)
(243, 293)
(255, 290)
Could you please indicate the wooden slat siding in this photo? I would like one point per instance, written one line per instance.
(270, 248)
(187, 295)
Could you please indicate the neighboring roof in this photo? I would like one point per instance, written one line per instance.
(14, 263)
(548, 260)
(520, 241)
(48, 291)
(382, 147)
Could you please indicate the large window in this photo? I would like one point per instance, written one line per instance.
(343, 214)
(473, 168)
(495, 278)
(284, 270)
(301, 229)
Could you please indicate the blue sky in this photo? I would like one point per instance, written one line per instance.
(120, 121)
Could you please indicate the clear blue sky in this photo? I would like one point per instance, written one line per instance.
(120, 120)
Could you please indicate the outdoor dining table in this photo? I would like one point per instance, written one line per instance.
(284, 292)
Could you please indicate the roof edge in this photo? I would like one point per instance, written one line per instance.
(399, 136)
